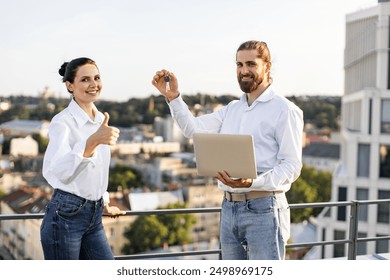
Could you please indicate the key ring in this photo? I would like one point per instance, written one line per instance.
(167, 87)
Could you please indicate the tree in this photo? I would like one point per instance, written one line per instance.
(178, 225)
(146, 233)
(125, 177)
(322, 111)
(311, 186)
(42, 142)
(2, 193)
(152, 231)
(301, 192)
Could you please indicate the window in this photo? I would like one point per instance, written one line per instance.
(362, 245)
(369, 116)
(388, 60)
(339, 249)
(381, 246)
(383, 208)
(363, 168)
(341, 210)
(385, 116)
(362, 194)
(323, 238)
(384, 161)
(352, 116)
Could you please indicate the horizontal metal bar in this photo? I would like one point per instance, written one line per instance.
(174, 211)
(376, 238)
(202, 210)
(21, 216)
(166, 255)
(320, 204)
(310, 244)
(378, 201)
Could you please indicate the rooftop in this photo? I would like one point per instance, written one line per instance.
(324, 150)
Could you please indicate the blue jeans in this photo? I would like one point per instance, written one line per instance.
(72, 229)
(256, 229)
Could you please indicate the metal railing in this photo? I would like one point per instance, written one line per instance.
(352, 240)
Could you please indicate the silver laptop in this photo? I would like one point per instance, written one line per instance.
(230, 152)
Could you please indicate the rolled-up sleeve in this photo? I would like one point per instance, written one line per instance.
(189, 124)
(61, 160)
(289, 156)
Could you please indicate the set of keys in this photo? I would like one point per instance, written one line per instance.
(167, 87)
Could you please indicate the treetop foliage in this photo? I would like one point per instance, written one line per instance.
(322, 111)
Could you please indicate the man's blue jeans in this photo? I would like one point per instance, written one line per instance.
(72, 229)
(256, 229)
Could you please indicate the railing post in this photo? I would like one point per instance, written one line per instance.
(353, 230)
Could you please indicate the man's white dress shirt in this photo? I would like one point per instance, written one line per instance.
(276, 125)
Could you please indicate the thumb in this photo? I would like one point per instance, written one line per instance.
(106, 118)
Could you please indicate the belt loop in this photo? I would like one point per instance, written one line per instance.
(228, 196)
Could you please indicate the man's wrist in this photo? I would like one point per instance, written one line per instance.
(173, 97)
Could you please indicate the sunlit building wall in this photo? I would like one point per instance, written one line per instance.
(364, 171)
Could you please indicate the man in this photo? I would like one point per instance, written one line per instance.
(255, 217)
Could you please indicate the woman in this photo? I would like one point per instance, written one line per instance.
(76, 165)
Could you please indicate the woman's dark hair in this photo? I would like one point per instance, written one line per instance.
(68, 70)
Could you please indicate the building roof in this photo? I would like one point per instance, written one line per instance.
(120, 200)
(25, 124)
(153, 200)
(26, 200)
(322, 150)
(23, 127)
(29, 199)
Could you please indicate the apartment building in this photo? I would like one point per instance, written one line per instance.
(364, 171)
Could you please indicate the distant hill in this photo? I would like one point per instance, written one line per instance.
(321, 111)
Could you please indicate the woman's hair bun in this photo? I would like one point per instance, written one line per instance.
(62, 70)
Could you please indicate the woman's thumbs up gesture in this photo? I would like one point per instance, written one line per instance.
(106, 134)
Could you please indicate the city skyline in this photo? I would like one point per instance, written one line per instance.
(196, 40)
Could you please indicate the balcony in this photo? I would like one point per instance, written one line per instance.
(352, 241)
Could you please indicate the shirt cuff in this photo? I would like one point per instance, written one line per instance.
(106, 198)
(177, 103)
(79, 149)
(258, 182)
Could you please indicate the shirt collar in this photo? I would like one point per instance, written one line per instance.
(82, 117)
(266, 96)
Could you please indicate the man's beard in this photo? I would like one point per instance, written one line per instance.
(249, 86)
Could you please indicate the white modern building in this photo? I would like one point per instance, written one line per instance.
(22, 128)
(364, 172)
(24, 146)
(168, 129)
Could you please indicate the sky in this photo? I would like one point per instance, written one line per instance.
(195, 39)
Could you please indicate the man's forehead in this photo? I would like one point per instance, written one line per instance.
(247, 55)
